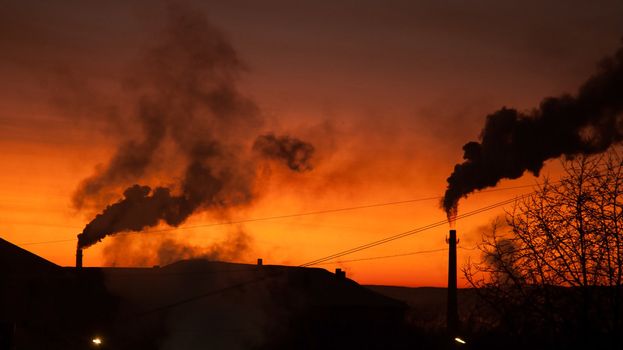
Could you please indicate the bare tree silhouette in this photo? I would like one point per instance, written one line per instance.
(554, 266)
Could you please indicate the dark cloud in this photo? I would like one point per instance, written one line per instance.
(295, 153)
(187, 99)
(513, 142)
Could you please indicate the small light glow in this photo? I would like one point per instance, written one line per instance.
(459, 340)
(97, 341)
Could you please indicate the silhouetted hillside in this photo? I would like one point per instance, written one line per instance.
(487, 323)
(427, 305)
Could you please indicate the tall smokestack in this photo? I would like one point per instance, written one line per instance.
(78, 258)
(452, 316)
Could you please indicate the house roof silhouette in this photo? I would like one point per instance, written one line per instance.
(14, 259)
(190, 304)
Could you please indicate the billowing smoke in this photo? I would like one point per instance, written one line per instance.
(296, 153)
(513, 142)
(131, 250)
(186, 100)
(130, 161)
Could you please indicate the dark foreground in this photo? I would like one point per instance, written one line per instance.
(199, 304)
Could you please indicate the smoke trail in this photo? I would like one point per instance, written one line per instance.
(130, 160)
(513, 142)
(130, 250)
(188, 100)
(296, 153)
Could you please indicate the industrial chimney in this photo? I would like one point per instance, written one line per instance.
(78, 258)
(452, 316)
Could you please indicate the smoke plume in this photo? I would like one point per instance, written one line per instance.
(128, 250)
(296, 153)
(513, 142)
(186, 100)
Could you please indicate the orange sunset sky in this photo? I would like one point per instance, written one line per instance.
(386, 91)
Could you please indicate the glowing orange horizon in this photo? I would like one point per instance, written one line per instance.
(290, 241)
(388, 107)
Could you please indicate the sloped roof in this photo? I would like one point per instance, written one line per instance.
(319, 287)
(14, 259)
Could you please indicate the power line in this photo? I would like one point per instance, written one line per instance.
(465, 248)
(276, 217)
(285, 216)
(154, 272)
(384, 256)
(325, 259)
(336, 255)
(47, 242)
(205, 295)
(131, 272)
(410, 232)
(393, 256)
(333, 256)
